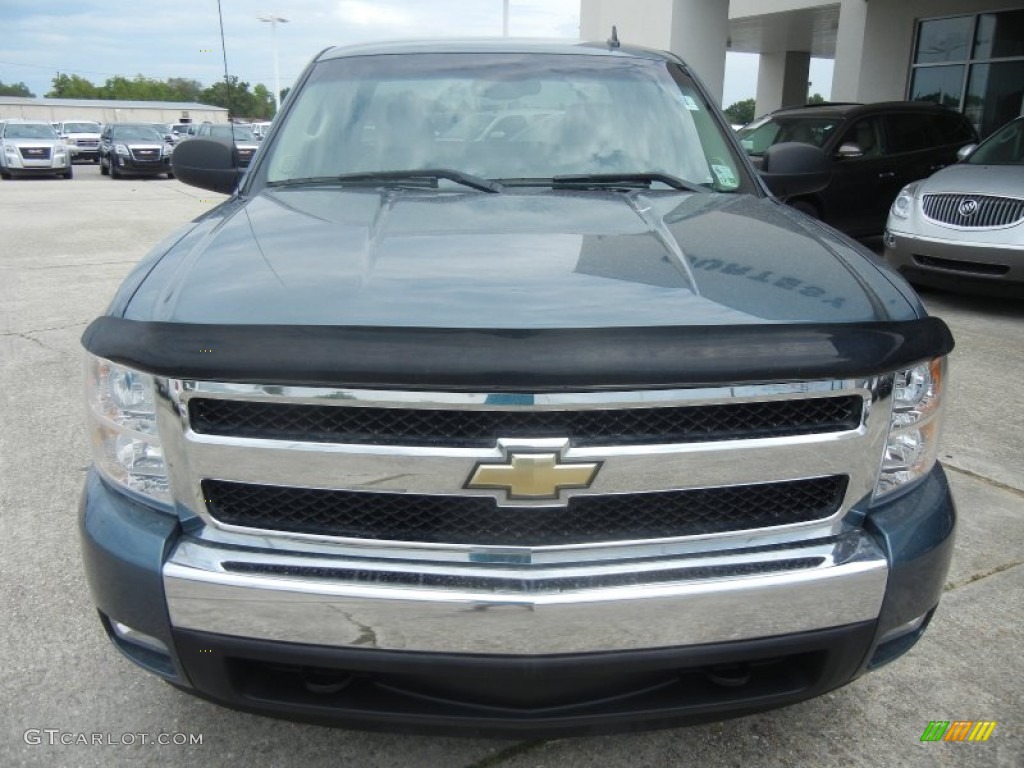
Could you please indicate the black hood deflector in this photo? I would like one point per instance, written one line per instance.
(534, 360)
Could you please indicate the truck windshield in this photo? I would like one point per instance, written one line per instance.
(237, 132)
(519, 118)
(81, 127)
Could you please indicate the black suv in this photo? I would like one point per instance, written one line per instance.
(134, 148)
(875, 149)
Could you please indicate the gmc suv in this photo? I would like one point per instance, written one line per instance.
(552, 429)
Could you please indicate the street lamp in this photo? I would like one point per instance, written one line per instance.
(504, 19)
(273, 19)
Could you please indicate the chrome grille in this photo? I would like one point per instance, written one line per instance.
(322, 469)
(35, 153)
(146, 155)
(625, 426)
(973, 211)
(478, 520)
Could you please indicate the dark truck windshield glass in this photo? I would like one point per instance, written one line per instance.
(756, 138)
(502, 116)
(137, 133)
(1004, 147)
(29, 131)
(239, 132)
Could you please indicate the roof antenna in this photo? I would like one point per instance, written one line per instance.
(613, 41)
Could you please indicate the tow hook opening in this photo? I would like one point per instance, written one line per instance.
(729, 675)
(325, 682)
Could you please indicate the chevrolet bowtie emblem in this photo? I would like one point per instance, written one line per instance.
(533, 476)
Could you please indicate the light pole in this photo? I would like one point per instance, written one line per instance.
(274, 20)
(504, 19)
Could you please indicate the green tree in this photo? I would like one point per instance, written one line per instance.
(740, 113)
(815, 98)
(236, 97)
(183, 89)
(73, 87)
(14, 89)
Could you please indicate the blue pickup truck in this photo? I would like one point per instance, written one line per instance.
(502, 396)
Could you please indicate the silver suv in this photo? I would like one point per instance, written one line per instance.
(32, 147)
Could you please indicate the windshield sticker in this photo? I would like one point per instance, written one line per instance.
(725, 176)
(690, 103)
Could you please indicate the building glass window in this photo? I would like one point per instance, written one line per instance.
(995, 94)
(942, 85)
(999, 35)
(973, 63)
(941, 40)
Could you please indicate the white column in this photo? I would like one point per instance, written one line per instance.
(851, 47)
(782, 80)
(700, 34)
(640, 22)
(696, 30)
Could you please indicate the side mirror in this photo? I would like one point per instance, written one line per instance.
(207, 164)
(965, 151)
(849, 151)
(791, 169)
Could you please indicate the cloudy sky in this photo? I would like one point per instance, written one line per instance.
(181, 38)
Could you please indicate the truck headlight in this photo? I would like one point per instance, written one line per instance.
(913, 444)
(904, 202)
(121, 149)
(122, 416)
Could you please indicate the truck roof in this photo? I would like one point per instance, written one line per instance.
(496, 45)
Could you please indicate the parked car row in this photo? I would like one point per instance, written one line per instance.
(952, 211)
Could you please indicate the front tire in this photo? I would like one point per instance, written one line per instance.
(103, 168)
(114, 173)
(6, 175)
(69, 173)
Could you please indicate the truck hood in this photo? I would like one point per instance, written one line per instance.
(521, 259)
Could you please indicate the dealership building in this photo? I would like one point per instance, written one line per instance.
(966, 54)
(109, 111)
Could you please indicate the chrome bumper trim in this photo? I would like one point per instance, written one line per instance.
(204, 594)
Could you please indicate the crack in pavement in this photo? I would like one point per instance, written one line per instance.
(22, 268)
(988, 480)
(505, 754)
(29, 338)
(43, 330)
(950, 586)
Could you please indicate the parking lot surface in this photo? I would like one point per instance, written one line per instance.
(64, 248)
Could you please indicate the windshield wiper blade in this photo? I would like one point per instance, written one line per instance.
(374, 177)
(611, 179)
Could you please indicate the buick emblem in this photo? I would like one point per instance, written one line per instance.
(967, 208)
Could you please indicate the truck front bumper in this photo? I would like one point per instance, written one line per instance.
(705, 639)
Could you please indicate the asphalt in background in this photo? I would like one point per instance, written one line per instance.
(64, 248)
